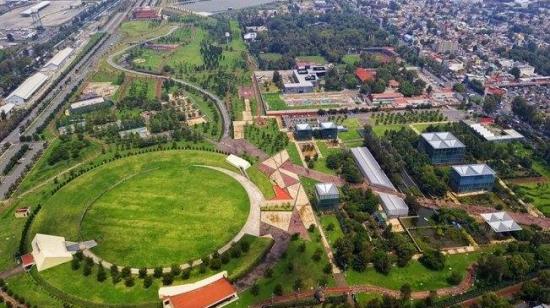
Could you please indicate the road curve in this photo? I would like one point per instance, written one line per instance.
(226, 118)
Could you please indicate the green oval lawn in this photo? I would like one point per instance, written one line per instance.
(150, 210)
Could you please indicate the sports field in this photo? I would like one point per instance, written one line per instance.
(149, 210)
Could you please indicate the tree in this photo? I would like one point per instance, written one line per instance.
(459, 87)
(278, 79)
(101, 274)
(167, 279)
(455, 278)
(515, 72)
(278, 289)
(147, 281)
(490, 104)
(405, 291)
(382, 262)
(142, 272)
(491, 300)
(255, 289)
(129, 281)
(433, 259)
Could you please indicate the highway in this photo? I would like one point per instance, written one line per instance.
(225, 116)
(38, 117)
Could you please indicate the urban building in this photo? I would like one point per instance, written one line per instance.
(442, 148)
(35, 8)
(370, 168)
(365, 74)
(305, 80)
(49, 251)
(328, 130)
(58, 59)
(493, 134)
(303, 131)
(20, 95)
(145, 12)
(6, 110)
(88, 105)
(472, 178)
(387, 98)
(444, 46)
(327, 196)
(393, 205)
(214, 291)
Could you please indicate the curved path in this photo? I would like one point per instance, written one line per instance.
(226, 118)
(252, 225)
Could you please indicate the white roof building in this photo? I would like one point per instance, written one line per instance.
(238, 162)
(49, 251)
(87, 103)
(370, 168)
(7, 109)
(58, 59)
(473, 170)
(501, 222)
(394, 206)
(502, 136)
(442, 140)
(35, 8)
(26, 89)
(326, 190)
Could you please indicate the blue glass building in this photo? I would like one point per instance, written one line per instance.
(442, 148)
(470, 178)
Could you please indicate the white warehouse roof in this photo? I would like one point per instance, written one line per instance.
(501, 222)
(87, 102)
(393, 205)
(442, 140)
(7, 108)
(473, 170)
(37, 7)
(59, 57)
(29, 86)
(370, 168)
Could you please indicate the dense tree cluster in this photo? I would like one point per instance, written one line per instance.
(526, 112)
(69, 147)
(267, 138)
(331, 35)
(539, 57)
(211, 54)
(344, 165)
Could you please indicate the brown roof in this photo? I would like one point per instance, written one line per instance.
(206, 296)
(365, 74)
(27, 260)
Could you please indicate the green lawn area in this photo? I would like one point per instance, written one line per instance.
(89, 289)
(271, 56)
(379, 130)
(304, 268)
(418, 276)
(137, 206)
(293, 154)
(351, 138)
(274, 101)
(320, 60)
(352, 59)
(262, 181)
(308, 184)
(320, 164)
(336, 233)
(540, 196)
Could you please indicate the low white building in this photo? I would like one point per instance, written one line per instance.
(25, 90)
(58, 59)
(237, 162)
(393, 206)
(501, 222)
(6, 109)
(49, 251)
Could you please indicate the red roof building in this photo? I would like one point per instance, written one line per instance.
(495, 91)
(213, 291)
(27, 261)
(365, 74)
(145, 12)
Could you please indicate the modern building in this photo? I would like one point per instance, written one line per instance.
(88, 105)
(22, 212)
(387, 98)
(305, 80)
(393, 205)
(370, 168)
(327, 196)
(472, 178)
(25, 90)
(494, 134)
(442, 148)
(49, 251)
(58, 59)
(328, 130)
(501, 222)
(214, 291)
(303, 131)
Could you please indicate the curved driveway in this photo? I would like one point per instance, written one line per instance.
(226, 118)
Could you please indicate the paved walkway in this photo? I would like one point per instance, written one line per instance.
(252, 225)
(281, 240)
(240, 146)
(12, 272)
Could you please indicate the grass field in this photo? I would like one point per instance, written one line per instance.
(336, 233)
(262, 181)
(274, 101)
(418, 276)
(380, 130)
(293, 153)
(352, 59)
(270, 56)
(351, 138)
(138, 205)
(320, 164)
(320, 60)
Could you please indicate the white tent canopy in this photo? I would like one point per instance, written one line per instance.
(238, 162)
(501, 222)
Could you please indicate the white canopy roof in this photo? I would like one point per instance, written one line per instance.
(238, 162)
(501, 222)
